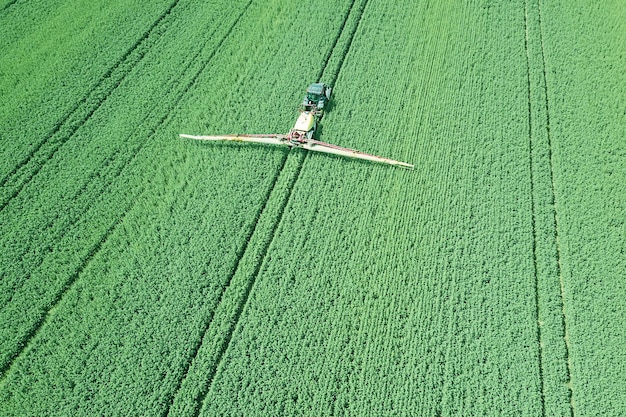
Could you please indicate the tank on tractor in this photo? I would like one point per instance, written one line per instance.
(304, 128)
(316, 98)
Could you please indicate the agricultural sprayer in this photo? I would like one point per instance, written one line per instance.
(302, 134)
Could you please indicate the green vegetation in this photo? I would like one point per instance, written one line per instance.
(60, 219)
(586, 86)
(60, 59)
(349, 312)
(142, 274)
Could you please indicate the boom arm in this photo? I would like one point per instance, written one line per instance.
(266, 139)
(317, 146)
(309, 144)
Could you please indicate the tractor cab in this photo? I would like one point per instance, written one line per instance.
(315, 92)
(317, 96)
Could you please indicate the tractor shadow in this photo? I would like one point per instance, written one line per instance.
(319, 130)
(330, 105)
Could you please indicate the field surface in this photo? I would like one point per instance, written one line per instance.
(143, 274)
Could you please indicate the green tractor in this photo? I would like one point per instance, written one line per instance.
(317, 97)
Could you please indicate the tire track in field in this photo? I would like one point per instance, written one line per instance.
(555, 217)
(64, 129)
(240, 254)
(334, 44)
(107, 175)
(32, 332)
(291, 180)
(540, 352)
(26, 340)
(6, 6)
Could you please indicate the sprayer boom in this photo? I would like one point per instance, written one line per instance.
(301, 136)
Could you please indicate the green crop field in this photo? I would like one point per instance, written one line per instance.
(144, 274)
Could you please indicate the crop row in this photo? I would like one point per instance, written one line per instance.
(586, 101)
(53, 58)
(143, 274)
(218, 335)
(390, 292)
(53, 226)
(168, 218)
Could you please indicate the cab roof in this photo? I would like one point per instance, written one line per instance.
(316, 88)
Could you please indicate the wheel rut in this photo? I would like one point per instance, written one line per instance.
(25, 340)
(7, 6)
(43, 151)
(283, 176)
(555, 214)
(533, 203)
(551, 314)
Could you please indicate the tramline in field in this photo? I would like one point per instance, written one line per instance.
(301, 136)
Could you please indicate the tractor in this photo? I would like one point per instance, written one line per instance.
(316, 98)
